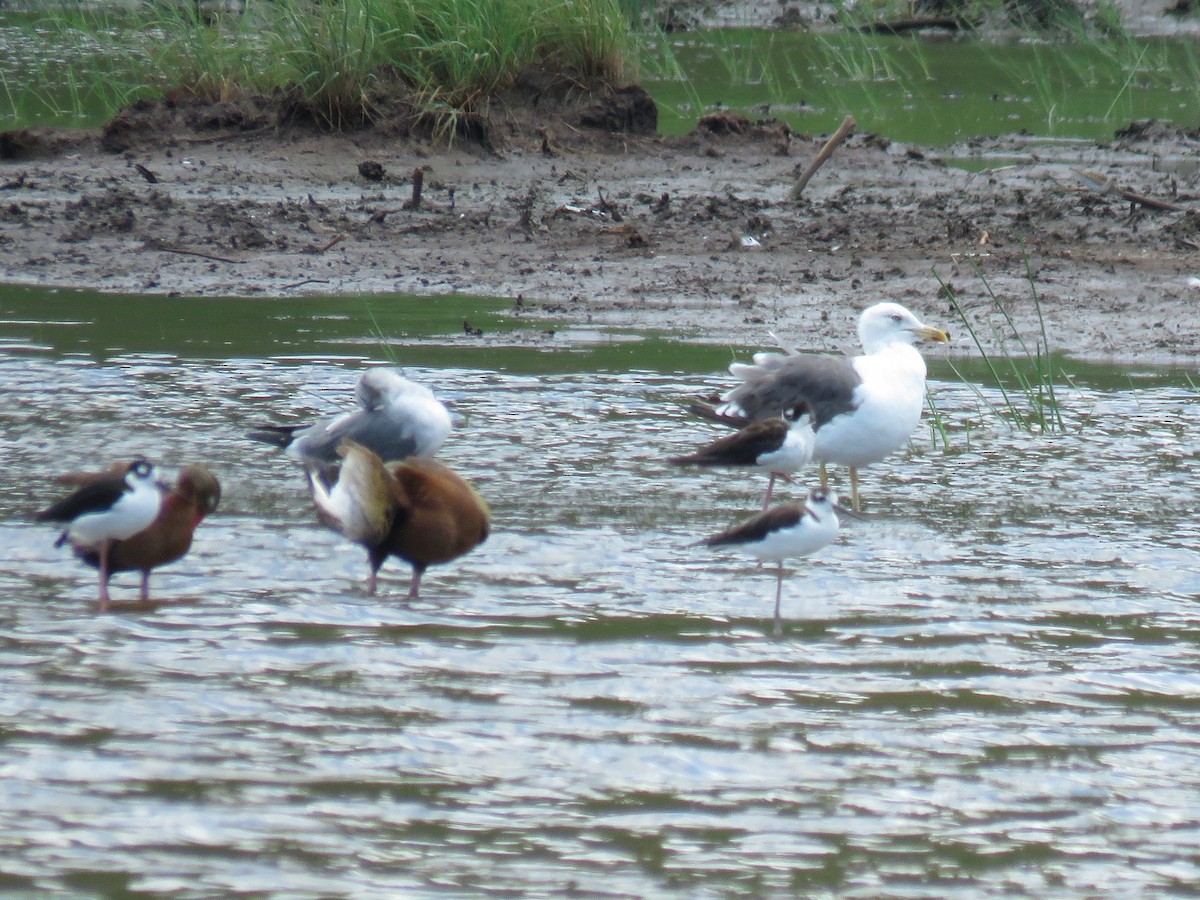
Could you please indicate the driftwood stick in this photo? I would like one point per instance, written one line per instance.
(166, 248)
(1100, 186)
(1150, 202)
(840, 135)
(327, 246)
(418, 180)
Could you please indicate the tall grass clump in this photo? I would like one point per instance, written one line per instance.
(334, 58)
(1022, 373)
(591, 38)
(329, 54)
(211, 59)
(451, 54)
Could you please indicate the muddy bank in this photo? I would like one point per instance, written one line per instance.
(693, 236)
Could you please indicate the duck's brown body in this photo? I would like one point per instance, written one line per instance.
(419, 510)
(439, 516)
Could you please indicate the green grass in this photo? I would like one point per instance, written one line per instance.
(1085, 83)
(1022, 367)
(348, 62)
(333, 59)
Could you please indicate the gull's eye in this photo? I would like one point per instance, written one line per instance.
(897, 318)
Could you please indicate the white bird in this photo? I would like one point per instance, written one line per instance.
(779, 446)
(397, 418)
(783, 532)
(864, 407)
(105, 510)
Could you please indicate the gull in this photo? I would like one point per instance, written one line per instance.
(864, 407)
(397, 418)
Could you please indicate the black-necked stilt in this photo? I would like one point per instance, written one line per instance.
(783, 532)
(168, 538)
(778, 446)
(108, 508)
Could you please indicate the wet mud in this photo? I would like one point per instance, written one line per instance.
(568, 203)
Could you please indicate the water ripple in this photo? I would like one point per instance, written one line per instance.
(989, 688)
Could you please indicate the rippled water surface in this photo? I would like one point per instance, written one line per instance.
(991, 688)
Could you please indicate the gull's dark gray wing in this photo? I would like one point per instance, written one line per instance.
(388, 436)
(827, 383)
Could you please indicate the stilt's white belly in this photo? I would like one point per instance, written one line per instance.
(807, 537)
(134, 511)
(794, 455)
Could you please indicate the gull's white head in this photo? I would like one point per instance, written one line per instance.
(890, 323)
(379, 386)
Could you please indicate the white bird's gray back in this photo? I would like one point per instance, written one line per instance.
(826, 383)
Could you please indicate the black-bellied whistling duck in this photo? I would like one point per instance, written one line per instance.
(418, 510)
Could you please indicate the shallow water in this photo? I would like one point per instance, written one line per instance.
(927, 89)
(922, 89)
(990, 688)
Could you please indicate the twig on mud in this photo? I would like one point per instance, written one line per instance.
(167, 248)
(840, 135)
(224, 135)
(323, 247)
(296, 284)
(630, 232)
(380, 214)
(145, 173)
(605, 207)
(1100, 186)
(18, 182)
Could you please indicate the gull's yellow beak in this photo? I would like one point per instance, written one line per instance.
(932, 334)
